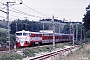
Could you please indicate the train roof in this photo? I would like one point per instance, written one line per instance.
(23, 31)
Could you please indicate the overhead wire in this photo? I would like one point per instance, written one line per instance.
(34, 10)
(2, 17)
(5, 12)
(24, 13)
(10, 10)
(21, 12)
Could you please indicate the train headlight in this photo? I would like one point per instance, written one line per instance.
(27, 39)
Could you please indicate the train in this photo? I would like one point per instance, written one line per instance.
(28, 38)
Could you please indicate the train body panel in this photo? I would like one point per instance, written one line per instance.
(27, 38)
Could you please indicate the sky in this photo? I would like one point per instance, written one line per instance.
(71, 10)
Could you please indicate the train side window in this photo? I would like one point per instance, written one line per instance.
(50, 34)
(42, 34)
(35, 35)
(32, 35)
(39, 35)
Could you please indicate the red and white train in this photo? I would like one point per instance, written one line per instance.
(27, 38)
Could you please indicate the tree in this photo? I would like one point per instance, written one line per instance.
(86, 18)
(27, 25)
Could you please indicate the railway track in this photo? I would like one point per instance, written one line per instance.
(18, 50)
(46, 55)
(53, 53)
(3, 49)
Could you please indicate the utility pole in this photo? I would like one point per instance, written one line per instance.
(53, 25)
(8, 27)
(70, 31)
(73, 34)
(43, 26)
(70, 27)
(16, 26)
(76, 31)
(81, 35)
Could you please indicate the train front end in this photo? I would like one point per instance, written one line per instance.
(22, 38)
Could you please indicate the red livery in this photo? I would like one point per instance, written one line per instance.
(27, 38)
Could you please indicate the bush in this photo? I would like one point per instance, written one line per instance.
(87, 40)
(28, 52)
(31, 53)
(46, 49)
(88, 34)
(2, 40)
(11, 57)
(3, 37)
(16, 56)
(12, 39)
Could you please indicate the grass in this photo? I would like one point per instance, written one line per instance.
(11, 57)
(82, 54)
(31, 53)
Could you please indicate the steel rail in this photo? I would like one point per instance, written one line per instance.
(52, 54)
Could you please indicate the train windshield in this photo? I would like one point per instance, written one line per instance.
(19, 34)
(25, 34)
(22, 34)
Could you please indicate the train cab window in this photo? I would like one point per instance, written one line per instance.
(25, 34)
(19, 34)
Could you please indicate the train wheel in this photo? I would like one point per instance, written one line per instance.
(33, 44)
(40, 43)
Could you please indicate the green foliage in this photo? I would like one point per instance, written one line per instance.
(12, 39)
(87, 40)
(16, 56)
(67, 28)
(88, 34)
(2, 40)
(88, 53)
(86, 18)
(31, 53)
(45, 49)
(3, 37)
(26, 25)
(3, 24)
(11, 57)
(28, 52)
